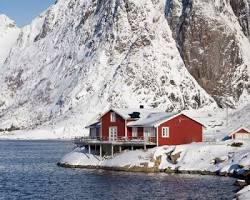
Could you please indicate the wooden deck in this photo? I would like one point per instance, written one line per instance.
(111, 145)
(82, 141)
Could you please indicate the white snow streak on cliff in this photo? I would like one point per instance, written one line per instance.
(8, 36)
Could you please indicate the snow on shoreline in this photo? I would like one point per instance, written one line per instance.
(214, 157)
(137, 158)
(218, 157)
(244, 194)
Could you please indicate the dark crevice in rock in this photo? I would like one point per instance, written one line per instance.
(241, 11)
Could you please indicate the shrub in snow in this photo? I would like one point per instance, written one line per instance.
(236, 144)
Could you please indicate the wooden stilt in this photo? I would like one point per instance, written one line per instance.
(132, 147)
(112, 150)
(89, 149)
(100, 150)
(120, 149)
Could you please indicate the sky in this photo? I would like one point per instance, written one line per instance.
(23, 11)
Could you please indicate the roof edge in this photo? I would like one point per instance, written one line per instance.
(235, 131)
(174, 116)
(114, 110)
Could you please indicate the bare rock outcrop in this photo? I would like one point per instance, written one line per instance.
(211, 42)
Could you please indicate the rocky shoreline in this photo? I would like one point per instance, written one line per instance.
(245, 176)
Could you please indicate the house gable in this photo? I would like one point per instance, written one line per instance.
(182, 130)
(174, 116)
(241, 132)
(106, 123)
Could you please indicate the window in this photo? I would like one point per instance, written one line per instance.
(165, 132)
(112, 117)
(134, 132)
(149, 132)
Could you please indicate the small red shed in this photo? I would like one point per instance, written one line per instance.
(241, 133)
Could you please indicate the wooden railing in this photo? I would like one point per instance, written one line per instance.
(118, 139)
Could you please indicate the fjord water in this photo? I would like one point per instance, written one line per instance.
(28, 171)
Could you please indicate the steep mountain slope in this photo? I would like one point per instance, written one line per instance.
(213, 39)
(79, 57)
(8, 36)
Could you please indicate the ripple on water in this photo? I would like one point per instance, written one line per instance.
(28, 171)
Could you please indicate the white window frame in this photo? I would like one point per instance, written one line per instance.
(112, 117)
(134, 132)
(165, 134)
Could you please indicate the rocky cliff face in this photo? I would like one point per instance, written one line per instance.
(79, 57)
(241, 9)
(212, 39)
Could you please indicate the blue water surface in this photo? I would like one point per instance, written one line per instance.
(28, 170)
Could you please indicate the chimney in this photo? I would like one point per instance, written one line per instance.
(141, 106)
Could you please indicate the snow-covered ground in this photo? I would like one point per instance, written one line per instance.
(207, 157)
(244, 194)
(80, 157)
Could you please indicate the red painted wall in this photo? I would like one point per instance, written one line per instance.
(182, 130)
(106, 123)
(129, 132)
(239, 131)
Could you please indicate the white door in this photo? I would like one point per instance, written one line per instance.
(113, 133)
(134, 133)
(147, 132)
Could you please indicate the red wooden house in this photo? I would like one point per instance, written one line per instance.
(146, 125)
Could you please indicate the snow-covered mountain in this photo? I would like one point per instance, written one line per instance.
(79, 57)
(8, 36)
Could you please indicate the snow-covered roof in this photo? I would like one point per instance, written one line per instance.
(151, 119)
(125, 112)
(148, 117)
(94, 125)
